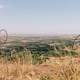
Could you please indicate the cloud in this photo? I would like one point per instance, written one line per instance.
(1, 6)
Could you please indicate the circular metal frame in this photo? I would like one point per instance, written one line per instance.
(4, 37)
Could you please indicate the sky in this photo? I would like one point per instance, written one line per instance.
(40, 16)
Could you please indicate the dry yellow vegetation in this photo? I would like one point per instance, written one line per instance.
(64, 68)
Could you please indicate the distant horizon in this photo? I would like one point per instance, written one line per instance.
(39, 34)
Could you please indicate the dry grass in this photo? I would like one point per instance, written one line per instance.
(64, 68)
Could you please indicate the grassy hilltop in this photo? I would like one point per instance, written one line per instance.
(40, 58)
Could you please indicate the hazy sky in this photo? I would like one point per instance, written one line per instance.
(40, 16)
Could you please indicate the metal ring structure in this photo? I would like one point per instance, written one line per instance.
(74, 41)
(3, 36)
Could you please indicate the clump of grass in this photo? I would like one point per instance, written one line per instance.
(46, 77)
(70, 72)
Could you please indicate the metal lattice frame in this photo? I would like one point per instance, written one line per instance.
(74, 41)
